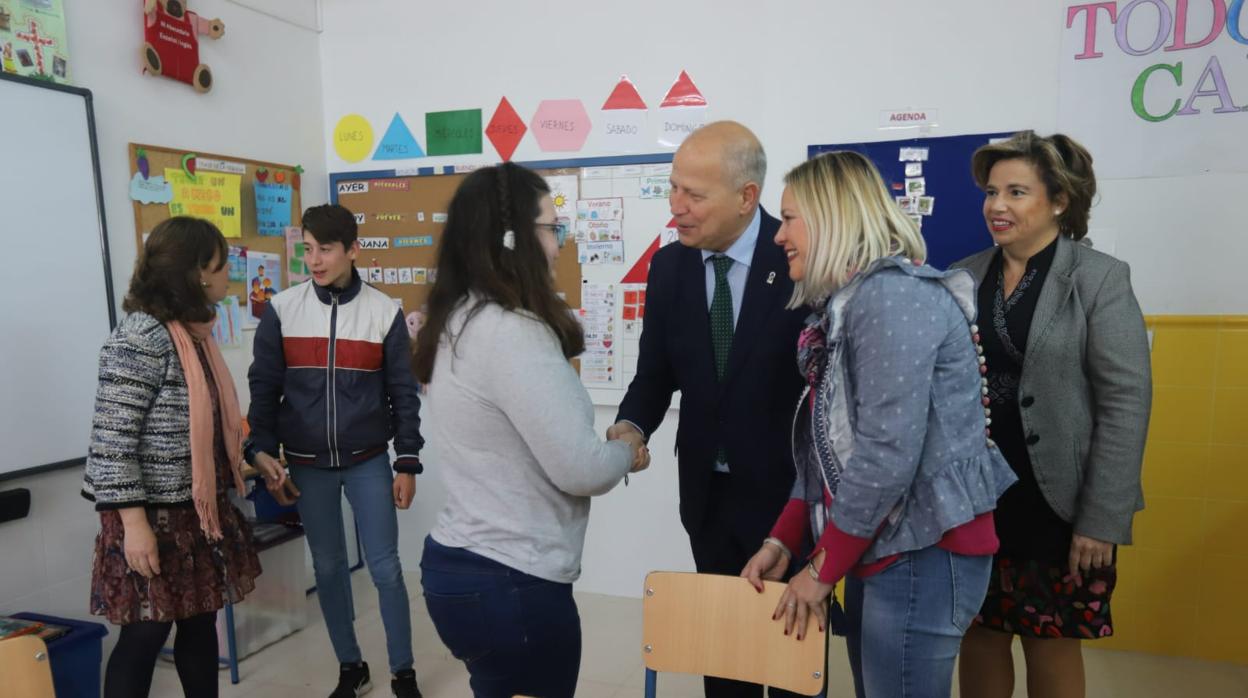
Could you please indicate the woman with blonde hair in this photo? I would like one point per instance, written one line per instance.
(896, 478)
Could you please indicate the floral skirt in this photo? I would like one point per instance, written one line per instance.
(196, 576)
(1039, 599)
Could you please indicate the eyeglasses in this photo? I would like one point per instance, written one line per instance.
(559, 229)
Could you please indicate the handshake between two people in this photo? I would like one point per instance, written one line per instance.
(626, 432)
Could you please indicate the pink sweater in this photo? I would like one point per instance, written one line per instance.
(843, 551)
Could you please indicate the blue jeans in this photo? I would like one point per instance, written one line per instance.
(905, 624)
(369, 488)
(516, 633)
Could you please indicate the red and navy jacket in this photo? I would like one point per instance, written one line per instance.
(331, 379)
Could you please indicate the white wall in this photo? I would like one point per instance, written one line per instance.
(265, 104)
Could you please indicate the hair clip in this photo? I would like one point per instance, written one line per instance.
(509, 239)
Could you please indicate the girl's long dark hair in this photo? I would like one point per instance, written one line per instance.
(472, 258)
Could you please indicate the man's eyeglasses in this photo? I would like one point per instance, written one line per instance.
(559, 229)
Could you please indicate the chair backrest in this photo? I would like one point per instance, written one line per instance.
(720, 626)
(25, 668)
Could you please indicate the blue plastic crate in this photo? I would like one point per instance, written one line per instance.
(75, 656)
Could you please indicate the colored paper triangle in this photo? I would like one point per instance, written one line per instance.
(398, 143)
(672, 223)
(624, 96)
(684, 93)
(641, 270)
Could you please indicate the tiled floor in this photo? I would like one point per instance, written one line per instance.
(303, 666)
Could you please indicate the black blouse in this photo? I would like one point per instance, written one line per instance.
(1026, 524)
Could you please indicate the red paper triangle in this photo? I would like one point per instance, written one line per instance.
(684, 93)
(641, 270)
(672, 223)
(624, 96)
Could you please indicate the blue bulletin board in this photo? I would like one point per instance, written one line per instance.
(955, 228)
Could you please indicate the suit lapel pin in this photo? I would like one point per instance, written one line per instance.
(771, 276)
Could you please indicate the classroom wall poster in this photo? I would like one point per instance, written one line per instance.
(604, 209)
(264, 271)
(1155, 88)
(398, 143)
(33, 40)
(297, 269)
(238, 263)
(682, 111)
(353, 138)
(623, 120)
(633, 311)
(227, 329)
(272, 207)
(215, 197)
(564, 192)
(453, 132)
(597, 316)
(560, 125)
(505, 129)
(599, 231)
(591, 253)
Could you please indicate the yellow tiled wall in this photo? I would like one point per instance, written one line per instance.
(1183, 586)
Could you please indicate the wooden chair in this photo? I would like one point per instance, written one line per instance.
(720, 626)
(25, 668)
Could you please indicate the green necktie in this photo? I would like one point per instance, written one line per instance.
(721, 315)
(721, 325)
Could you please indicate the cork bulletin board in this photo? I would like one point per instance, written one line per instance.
(406, 214)
(154, 161)
(619, 210)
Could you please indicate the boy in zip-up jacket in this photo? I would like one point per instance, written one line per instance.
(331, 386)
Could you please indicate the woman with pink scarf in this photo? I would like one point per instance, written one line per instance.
(165, 445)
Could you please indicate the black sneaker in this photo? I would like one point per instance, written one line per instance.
(353, 681)
(404, 684)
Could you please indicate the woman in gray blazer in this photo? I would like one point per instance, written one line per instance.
(1069, 388)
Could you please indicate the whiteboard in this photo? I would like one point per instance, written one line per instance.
(59, 308)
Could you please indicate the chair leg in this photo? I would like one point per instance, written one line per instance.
(652, 680)
(231, 647)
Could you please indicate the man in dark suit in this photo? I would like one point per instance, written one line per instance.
(717, 330)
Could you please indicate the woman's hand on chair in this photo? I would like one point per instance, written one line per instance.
(769, 563)
(803, 598)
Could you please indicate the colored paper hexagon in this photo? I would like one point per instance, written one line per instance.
(560, 125)
(505, 129)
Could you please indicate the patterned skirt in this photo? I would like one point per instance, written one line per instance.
(196, 576)
(1039, 599)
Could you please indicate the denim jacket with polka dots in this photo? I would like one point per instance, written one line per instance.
(896, 429)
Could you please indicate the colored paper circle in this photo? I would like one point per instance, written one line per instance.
(353, 138)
